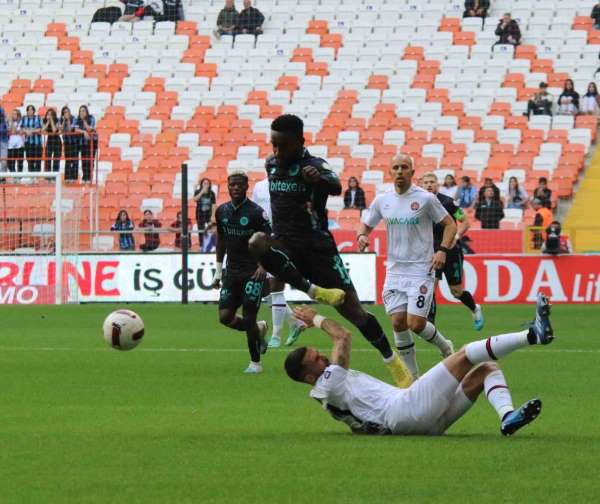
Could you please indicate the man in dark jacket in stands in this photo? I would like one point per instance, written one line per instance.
(489, 210)
(476, 8)
(508, 31)
(250, 20)
(227, 20)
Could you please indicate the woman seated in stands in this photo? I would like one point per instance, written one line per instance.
(124, 224)
(449, 187)
(516, 196)
(590, 101)
(354, 197)
(568, 101)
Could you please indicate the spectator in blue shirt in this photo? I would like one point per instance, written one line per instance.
(124, 223)
(466, 195)
(31, 126)
(86, 126)
(3, 139)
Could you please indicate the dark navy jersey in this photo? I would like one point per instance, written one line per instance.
(292, 197)
(235, 226)
(454, 211)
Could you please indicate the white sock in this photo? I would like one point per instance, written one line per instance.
(278, 312)
(496, 347)
(406, 350)
(498, 393)
(435, 337)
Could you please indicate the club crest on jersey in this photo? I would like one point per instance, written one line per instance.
(423, 289)
(294, 170)
(414, 206)
(244, 221)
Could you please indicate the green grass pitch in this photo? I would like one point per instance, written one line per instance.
(176, 420)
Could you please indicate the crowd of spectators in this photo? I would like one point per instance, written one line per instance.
(35, 139)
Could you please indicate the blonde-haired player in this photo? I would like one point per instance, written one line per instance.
(410, 213)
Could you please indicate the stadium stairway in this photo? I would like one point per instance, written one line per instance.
(582, 219)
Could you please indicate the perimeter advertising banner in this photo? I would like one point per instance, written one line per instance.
(518, 278)
(138, 278)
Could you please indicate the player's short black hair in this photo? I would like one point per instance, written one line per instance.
(293, 364)
(238, 174)
(289, 124)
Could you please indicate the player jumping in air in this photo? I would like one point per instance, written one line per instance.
(244, 279)
(409, 213)
(302, 251)
(431, 404)
(453, 269)
(279, 307)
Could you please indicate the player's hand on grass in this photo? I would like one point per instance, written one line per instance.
(363, 242)
(260, 274)
(439, 259)
(311, 174)
(305, 314)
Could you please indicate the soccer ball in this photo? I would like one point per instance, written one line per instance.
(123, 329)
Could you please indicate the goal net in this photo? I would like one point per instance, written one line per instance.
(39, 239)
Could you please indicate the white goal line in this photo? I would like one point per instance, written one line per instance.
(245, 350)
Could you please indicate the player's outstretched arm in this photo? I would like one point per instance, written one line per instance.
(341, 337)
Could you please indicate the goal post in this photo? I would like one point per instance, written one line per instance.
(39, 227)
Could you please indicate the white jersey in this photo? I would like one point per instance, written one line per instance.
(409, 219)
(366, 398)
(262, 197)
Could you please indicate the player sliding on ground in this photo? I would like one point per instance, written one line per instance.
(431, 404)
(453, 268)
(244, 279)
(410, 213)
(302, 251)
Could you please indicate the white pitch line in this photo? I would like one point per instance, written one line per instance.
(235, 350)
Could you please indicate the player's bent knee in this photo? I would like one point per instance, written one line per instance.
(456, 290)
(417, 324)
(226, 318)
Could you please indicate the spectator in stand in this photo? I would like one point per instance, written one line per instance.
(51, 126)
(208, 241)
(449, 187)
(31, 126)
(151, 236)
(172, 10)
(205, 199)
(476, 8)
(590, 101)
(508, 31)
(124, 223)
(3, 140)
(516, 196)
(16, 142)
(86, 126)
(596, 16)
(466, 194)
(541, 103)
(227, 20)
(71, 143)
(489, 210)
(543, 218)
(354, 197)
(542, 192)
(250, 20)
(568, 101)
(177, 227)
(488, 182)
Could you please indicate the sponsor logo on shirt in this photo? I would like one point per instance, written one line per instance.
(287, 187)
(410, 221)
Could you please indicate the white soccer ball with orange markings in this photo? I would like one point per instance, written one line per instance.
(123, 329)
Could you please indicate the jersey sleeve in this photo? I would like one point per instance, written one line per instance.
(435, 209)
(218, 218)
(263, 223)
(372, 216)
(332, 383)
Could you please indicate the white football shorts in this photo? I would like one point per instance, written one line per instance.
(412, 294)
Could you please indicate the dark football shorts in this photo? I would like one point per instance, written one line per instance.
(453, 269)
(237, 290)
(319, 262)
